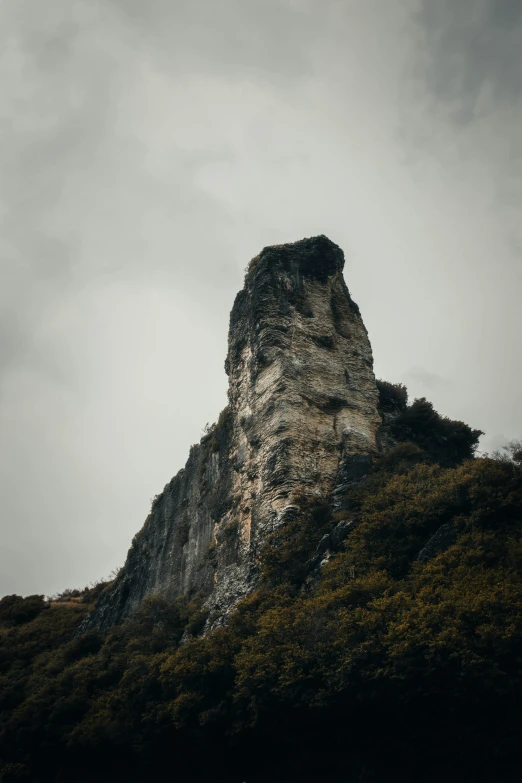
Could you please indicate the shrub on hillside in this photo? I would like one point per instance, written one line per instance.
(392, 396)
(448, 442)
(15, 610)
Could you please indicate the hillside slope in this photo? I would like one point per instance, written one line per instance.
(383, 640)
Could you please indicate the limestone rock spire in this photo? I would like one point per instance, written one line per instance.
(302, 400)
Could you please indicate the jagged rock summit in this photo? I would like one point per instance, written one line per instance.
(302, 417)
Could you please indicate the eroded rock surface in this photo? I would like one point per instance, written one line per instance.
(302, 420)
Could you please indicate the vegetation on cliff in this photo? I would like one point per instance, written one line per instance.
(397, 653)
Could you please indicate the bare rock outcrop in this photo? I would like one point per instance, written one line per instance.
(302, 420)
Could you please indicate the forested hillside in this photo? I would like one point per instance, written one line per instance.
(385, 642)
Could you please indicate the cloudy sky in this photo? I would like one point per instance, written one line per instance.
(150, 148)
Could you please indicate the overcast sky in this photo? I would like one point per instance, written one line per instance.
(150, 148)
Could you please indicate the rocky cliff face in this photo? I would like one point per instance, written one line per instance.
(302, 420)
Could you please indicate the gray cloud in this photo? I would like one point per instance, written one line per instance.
(267, 40)
(468, 107)
(472, 47)
(421, 377)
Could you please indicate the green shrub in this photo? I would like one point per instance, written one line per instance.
(88, 644)
(15, 610)
(286, 553)
(511, 452)
(392, 396)
(448, 442)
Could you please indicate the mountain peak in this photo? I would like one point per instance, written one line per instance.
(313, 257)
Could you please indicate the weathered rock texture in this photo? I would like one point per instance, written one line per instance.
(302, 420)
